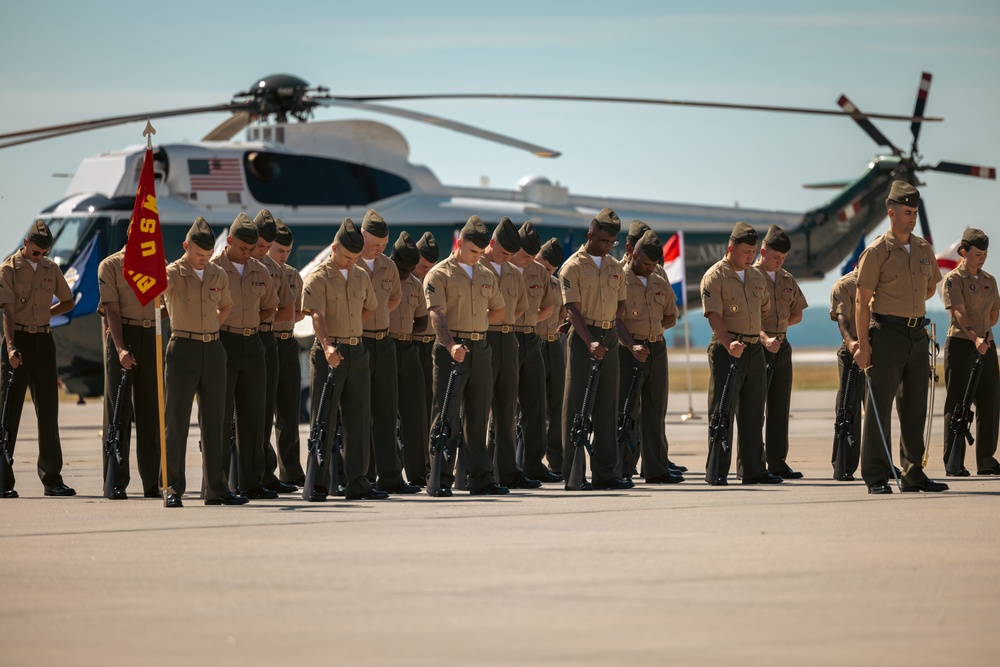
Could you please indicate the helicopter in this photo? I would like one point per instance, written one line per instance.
(312, 174)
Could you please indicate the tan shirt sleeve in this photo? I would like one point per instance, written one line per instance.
(711, 292)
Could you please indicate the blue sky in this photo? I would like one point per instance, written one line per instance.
(64, 61)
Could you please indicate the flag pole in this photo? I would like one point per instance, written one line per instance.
(687, 340)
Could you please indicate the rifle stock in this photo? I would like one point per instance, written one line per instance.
(583, 429)
(961, 418)
(441, 434)
(719, 426)
(112, 439)
(6, 457)
(317, 437)
(234, 458)
(626, 422)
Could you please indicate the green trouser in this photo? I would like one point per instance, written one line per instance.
(245, 378)
(648, 411)
(412, 413)
(504, 362)
(604, 414)
(266, 458)
(384, 460)
(37, 371)
(777, 403)
(286, 412)
(747, 387)
(845, 458)
(959, 356)
(352, 393)
(531, 400)
(554, 357)
(193, 368)
(900, 369)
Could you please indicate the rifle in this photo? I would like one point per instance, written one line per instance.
(461, 467)
(7, 458)
(844, 425)
(317, 437)
(961, 418)
(441, 434)
(719, 426)
(519, 449)
(336, 454)
(881, 431)
(932, 351)
(234, 458)
(583, 429)
(112, 439)
(626, 422)
(399, 435)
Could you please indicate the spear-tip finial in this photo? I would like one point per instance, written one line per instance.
(148, 133)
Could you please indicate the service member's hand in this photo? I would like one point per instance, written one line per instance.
(862, 358)
(333, 355)
(14, 357)
(982, 345)
(597, 350)
(563, 327)
(458, 352)
(640, 352)
(772, 344)
(736, 349)
(853, 347)
(125, 359)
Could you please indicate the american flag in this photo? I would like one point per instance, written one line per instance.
(217, 173)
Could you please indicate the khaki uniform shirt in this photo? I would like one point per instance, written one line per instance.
(294, 282)
(842, 298)
(898, 278)
(412, 305)
(385, 280)
(278, 280)
(548, 326)
(193, 303)
(512, 287)
(786, 299)
(649, 308)
(252, 292)
(339, 299)
(466, 302)
(539, 290)
(115, 289)
(979, 297)
(597, 290)
(30, 291)
(743, 305)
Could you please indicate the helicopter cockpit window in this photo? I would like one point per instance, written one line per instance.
(67, 234)
(302, 180)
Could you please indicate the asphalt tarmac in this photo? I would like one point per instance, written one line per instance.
(810, 572)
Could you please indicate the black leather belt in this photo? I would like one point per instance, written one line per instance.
(266, 327)
(401, 336)
(200, 337)
(145, 324)
(283, 335)
(501, 328)
(239, 331)
(353, 340)
(749, 339)
(600, 324)
(424, 339)
(908, 322)
(524, 329)
(376, 335)
(551, 338)
(469, 335)
(32, 328)
(650, 339)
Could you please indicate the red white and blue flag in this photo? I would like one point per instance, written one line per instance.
(673, 264)
(217, 173)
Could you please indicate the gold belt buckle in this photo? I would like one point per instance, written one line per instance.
(505, 328)
(380, 335)
(353, 340)
(911, 322)
(475, 336)
(605, 325)
(147, 324)
(206, 338)
(248, 332)
(32, 328)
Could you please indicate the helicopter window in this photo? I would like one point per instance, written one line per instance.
(69, 237)
(302, 180)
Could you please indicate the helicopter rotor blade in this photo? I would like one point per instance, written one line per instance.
(925, 225)
(445, 123)
(918, 108)
(631, 100)
(965, 170)
(866, 125)
(229, 127)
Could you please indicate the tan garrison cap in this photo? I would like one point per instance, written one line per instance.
(529, 239)
(374, 224)
(475, 231)
(506, 235)
(975, 237)
(608, 221)
(649, 245)
(266, 227)
(428, 247)
(243, 229)
(40, 235)
(405, 252)
(552, 252)
(282, 235)
(349, 237)
(201, 234)
(744, 233)
(777, 239)
(635, 231)
(902, 192)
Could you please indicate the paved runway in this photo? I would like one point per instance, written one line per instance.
(812, 572)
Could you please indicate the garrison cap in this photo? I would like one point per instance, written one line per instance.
(976, 238)
(282, 234)
(608, 221)
(529, 239)
(40, 235)
(349, 236)
(777, 239)
(902, 192)
(374, 224)
(649, 245)
(266, 228)
(743, 233)
(243, 228)
(404, 251)
(475, 231)
(552, 252)
(635, 232)
(201, 234)
(428, 247)
(506, 235)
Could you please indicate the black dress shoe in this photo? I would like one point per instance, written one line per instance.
(879, 489)
(317, 496)
(928, 485)
(151, 494)
(493, 489)
(442, 492)
(962, 472)
(281, 487)
(614, 484)
(789, 474)
(846, 477)
(118, 494)
(989, 471)
(585, 486)
(521, 481)
(9, 493)
(665, 478)
(766, 478)
(260, 493)
(300, 482)
(173, 500)
(418, 482)
(228, 498)
(403, 489)
(549, 477)
(676, 468)
(718, 481)
(60, 490)
(374, 493)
